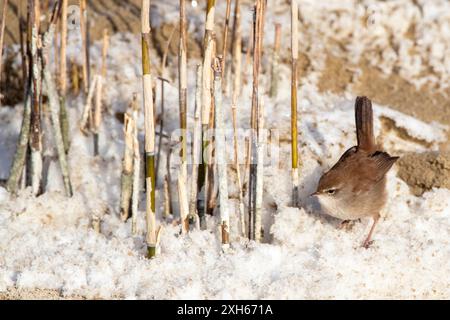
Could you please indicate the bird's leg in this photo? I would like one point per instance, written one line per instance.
(368, 242)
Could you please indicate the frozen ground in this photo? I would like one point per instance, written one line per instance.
(48, 243)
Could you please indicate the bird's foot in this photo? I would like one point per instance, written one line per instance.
(347, 225)
(367, 243)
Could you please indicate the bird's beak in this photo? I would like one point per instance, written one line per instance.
(314, 194)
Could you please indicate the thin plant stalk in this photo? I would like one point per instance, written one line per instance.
(167, 205)
(166, 52)
(23, 54)
(182, 73)
(274, 77)
(136, 168)
(98, 93)
(74, 75)
(127, 168)
(36, 126)
(136, 184)
(84, 123)
(225, 38)
(63, 78)
(2, 35)
(258, 25)
(221, 161)
(169, 179)
(149, 130)
(208, 44)
(294, 136)
(196, 144)
(260, 149)
(18, 164)
(63, 49)
(211, 184)
(84, 40)
(182, 89)
(18, 169)
(184, 205)
(236, 71)
(53, 101)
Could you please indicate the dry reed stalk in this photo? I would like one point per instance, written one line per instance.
(36, 126)
(184, 205)
(258, 25)
(63, 57)
(98, 93)
(24, 62)
(208, 47)
(182, 89)
(294, 135)
(18, 165)
(84, 40)
(196, 145)
(225, 40)
(167, 206)
(260, 149)
(169, 179)
(2, 35)
(127, 168)
(248, 157)
(136, 167)
(18, 169)
(37, 13)
(236, 71)
(149, 130)
(211, 183)
(84, 123)
(74, 75)
(63, 78)
(53, 101)
(220, 159)
(274, 77)
(166, 52)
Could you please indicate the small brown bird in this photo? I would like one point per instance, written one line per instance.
(355, 186)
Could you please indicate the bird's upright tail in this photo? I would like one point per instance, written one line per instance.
(364, 124)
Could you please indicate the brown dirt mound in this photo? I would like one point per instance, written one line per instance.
(424, 171)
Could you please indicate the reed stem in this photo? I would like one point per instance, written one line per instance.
(196, 145)
(53, 101)
(220, 159)
(2, 35)
(36, 126)
(294, 137)
(208, 47)
(149, 130)
(136, 168)
(258, 27)
(127, 168)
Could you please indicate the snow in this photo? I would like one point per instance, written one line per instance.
(48, 242)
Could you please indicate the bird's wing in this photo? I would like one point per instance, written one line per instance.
(375, 166)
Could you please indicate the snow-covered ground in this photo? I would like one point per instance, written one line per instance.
(48, 242)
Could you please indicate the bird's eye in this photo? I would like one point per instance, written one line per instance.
(331, 191)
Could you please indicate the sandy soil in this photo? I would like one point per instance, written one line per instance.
(35, 294)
